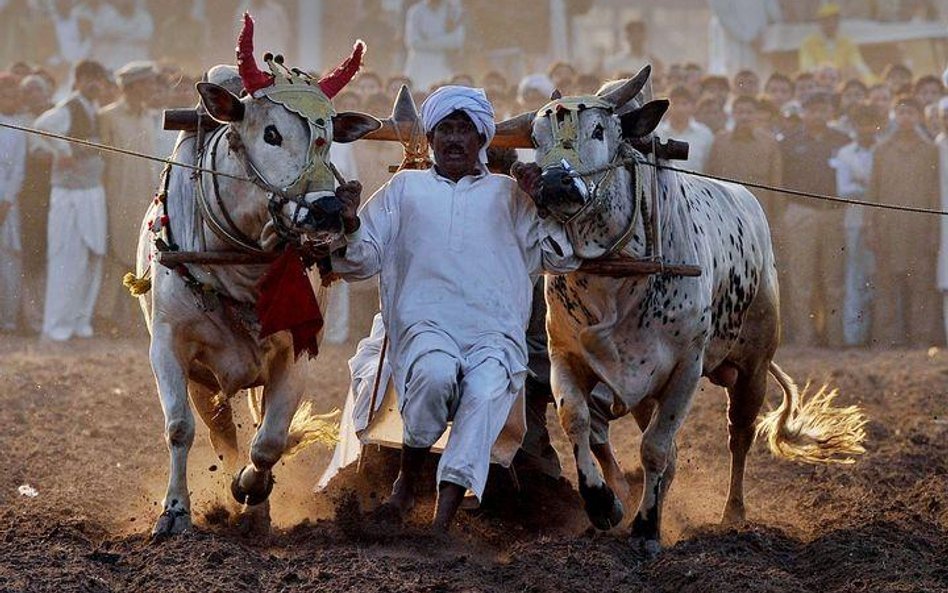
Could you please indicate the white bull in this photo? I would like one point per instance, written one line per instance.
(650, 339)
(204, 332)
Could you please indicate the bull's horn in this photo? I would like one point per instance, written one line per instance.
(629, 89)
(252, 77)
(516, 132)
(333, 82)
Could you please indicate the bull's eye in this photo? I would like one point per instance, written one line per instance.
(598, 132)
(272, 136)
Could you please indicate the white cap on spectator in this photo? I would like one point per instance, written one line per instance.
(135, 71)
(536, 82)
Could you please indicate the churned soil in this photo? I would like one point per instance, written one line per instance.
(86, 467)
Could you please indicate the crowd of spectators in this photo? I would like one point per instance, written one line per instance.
(850, 276)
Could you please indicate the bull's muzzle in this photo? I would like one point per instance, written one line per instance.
(324, 214)
(559, 191)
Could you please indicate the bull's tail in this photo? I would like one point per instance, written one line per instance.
(306, 428)
(811, 429)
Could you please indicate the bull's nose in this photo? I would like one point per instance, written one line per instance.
(556, 178)
(328, 205)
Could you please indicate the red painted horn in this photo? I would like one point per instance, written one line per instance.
(334, 82)
(253, 78)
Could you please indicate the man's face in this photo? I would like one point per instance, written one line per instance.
(92, 87)
(747, 85)
(830, 26)
(456, 143)
(780, 91)
(851, 96)
(745, 115)
(817, 115)
(929, 93)
(897, 79)
(866, 132)
(907, 117)
(881, 98)
(805, 86)
(9, 99)
(682, 108)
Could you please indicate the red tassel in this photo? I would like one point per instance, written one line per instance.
(253, 78)
(287, 302)
(334, 82)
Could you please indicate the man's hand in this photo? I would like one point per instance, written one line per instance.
(350, 194)
(528, 178)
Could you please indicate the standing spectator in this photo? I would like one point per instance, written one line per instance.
(12, 167)
(37, 96)
(77, 217)
(715, 87)
(746, 83)
(897, 77)
(853, 171)
(814, 230)
(779, 89)
(121, 32)
(942, 143)
(928, 90)
(750, 154)
(711, 113)
(905, 170)
(737, 31)
(680, 124)
(72, 23)
(635, 55)
(852, 94)
(827, 46)
(563, 76)
(129, 185)
(368, 83)
(693, 75)
(433, 30)
(880, 96)
(378, 28)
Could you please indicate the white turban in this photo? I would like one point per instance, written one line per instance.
(448, 99)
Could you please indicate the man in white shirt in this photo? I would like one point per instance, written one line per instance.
(853, 164)
(121, 33)
(736, 34)
(455, 248)
(680, 124)
(433, 29)
(12, 169)
(77, 211)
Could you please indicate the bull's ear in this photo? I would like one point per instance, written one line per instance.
(349, 126)
(643, 121)
(221, 104)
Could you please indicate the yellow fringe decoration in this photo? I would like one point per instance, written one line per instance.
(308, 428)
(137, 286)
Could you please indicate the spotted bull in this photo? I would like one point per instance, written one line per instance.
(650, 339)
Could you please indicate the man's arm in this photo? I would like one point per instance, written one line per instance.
(55, 120)
(366, 232)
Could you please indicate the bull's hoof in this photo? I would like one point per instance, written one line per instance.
(171, 522)
(649, 547)
(603, 507)
(249, 491)
(254, 522)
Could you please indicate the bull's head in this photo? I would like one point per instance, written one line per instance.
(574, 135)
(284, 127)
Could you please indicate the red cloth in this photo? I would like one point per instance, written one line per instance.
(287, 302)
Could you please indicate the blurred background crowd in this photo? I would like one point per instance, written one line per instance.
(844, 98)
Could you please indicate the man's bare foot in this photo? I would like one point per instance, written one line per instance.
(450, 497)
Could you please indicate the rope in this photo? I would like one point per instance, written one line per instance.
(123, 151)
(772, 188)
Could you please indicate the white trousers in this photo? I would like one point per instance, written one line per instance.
(477, 401)
(75, 253)
(11, 288)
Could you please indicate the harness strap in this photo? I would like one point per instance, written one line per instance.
(236, 239)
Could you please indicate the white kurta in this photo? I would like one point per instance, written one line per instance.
(455, 261)
(735, 24)
(699, 138)
(428, 41)
(76, 243)
(12, 171)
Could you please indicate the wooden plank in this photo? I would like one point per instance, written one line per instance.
(215, 258)
(626, 267)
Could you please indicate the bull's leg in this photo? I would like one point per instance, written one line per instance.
(179, 431)
(602, 506)
(216, 413)
(281, 397)
(744, 400)
(658, 454)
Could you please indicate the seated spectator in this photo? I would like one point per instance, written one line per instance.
(680, 124)
(827, 46)
(905, 170)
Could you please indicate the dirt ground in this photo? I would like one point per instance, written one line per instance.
(81, 426)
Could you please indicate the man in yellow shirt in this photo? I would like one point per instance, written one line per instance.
(827, 46)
